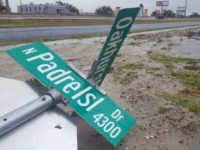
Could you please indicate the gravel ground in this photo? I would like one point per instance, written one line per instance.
(168, 130)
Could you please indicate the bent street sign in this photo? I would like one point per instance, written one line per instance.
(118, 33)
(97, 109)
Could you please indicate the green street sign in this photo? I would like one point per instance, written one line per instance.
(97, 109)
(118, 33)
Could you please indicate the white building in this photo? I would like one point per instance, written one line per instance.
(42, 8)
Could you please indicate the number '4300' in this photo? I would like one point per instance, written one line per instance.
(108, 126)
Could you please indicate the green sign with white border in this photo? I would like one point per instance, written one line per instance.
(98, 110)
(118, 33)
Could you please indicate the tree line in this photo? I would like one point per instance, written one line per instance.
(107, 10)
(2, 6)
(170, 13)
(70, 7)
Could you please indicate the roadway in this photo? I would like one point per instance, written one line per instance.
(24, 33)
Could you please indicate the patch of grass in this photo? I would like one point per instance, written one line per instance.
(188, 102)
(151, 70)
(126, 77)
(136, 43)
(186, 91)
(133, 66)
(192, 67)
(172, 119)
(169, 35)
(168, 60)
(159, 75)
(162, 110)
(164, 58)
(126, 73)
(190, 96)
(169, 65)
(164, 48)
(194, 107)
(194, 62)
(171, 44)
(191, 79)
(161, 59)
(52, 22)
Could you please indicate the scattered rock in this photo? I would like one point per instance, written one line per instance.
(149, 52)
(125, 148)
(181, 141)
(185, 110)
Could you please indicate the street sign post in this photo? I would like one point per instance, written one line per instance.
(97, 109)
(118, 33)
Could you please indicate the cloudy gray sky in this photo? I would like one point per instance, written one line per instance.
(91, 5)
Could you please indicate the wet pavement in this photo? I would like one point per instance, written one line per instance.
(24, 33)
(189, 49)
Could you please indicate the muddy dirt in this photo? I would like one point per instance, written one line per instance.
(161, 124)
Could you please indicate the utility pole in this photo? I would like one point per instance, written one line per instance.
(7, 6)
(185, 8)
(21, 5)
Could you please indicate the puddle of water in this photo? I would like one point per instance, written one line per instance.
(189, 49)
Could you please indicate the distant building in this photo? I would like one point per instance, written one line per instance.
(141, 12)
(181, 11)
(42, 9)
(145, 12)
(117, 9)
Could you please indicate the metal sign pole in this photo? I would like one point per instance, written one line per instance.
(185, 8)
(28, 111)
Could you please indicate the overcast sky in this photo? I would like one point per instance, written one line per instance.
(91, 5)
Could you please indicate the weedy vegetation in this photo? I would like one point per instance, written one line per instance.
(168, 61)
(184, 101)
(189, 76)
(126, 73)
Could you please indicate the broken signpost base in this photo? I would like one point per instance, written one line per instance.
(28, 111)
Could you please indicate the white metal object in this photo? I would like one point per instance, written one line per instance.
(17, 117)
(50, 130)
